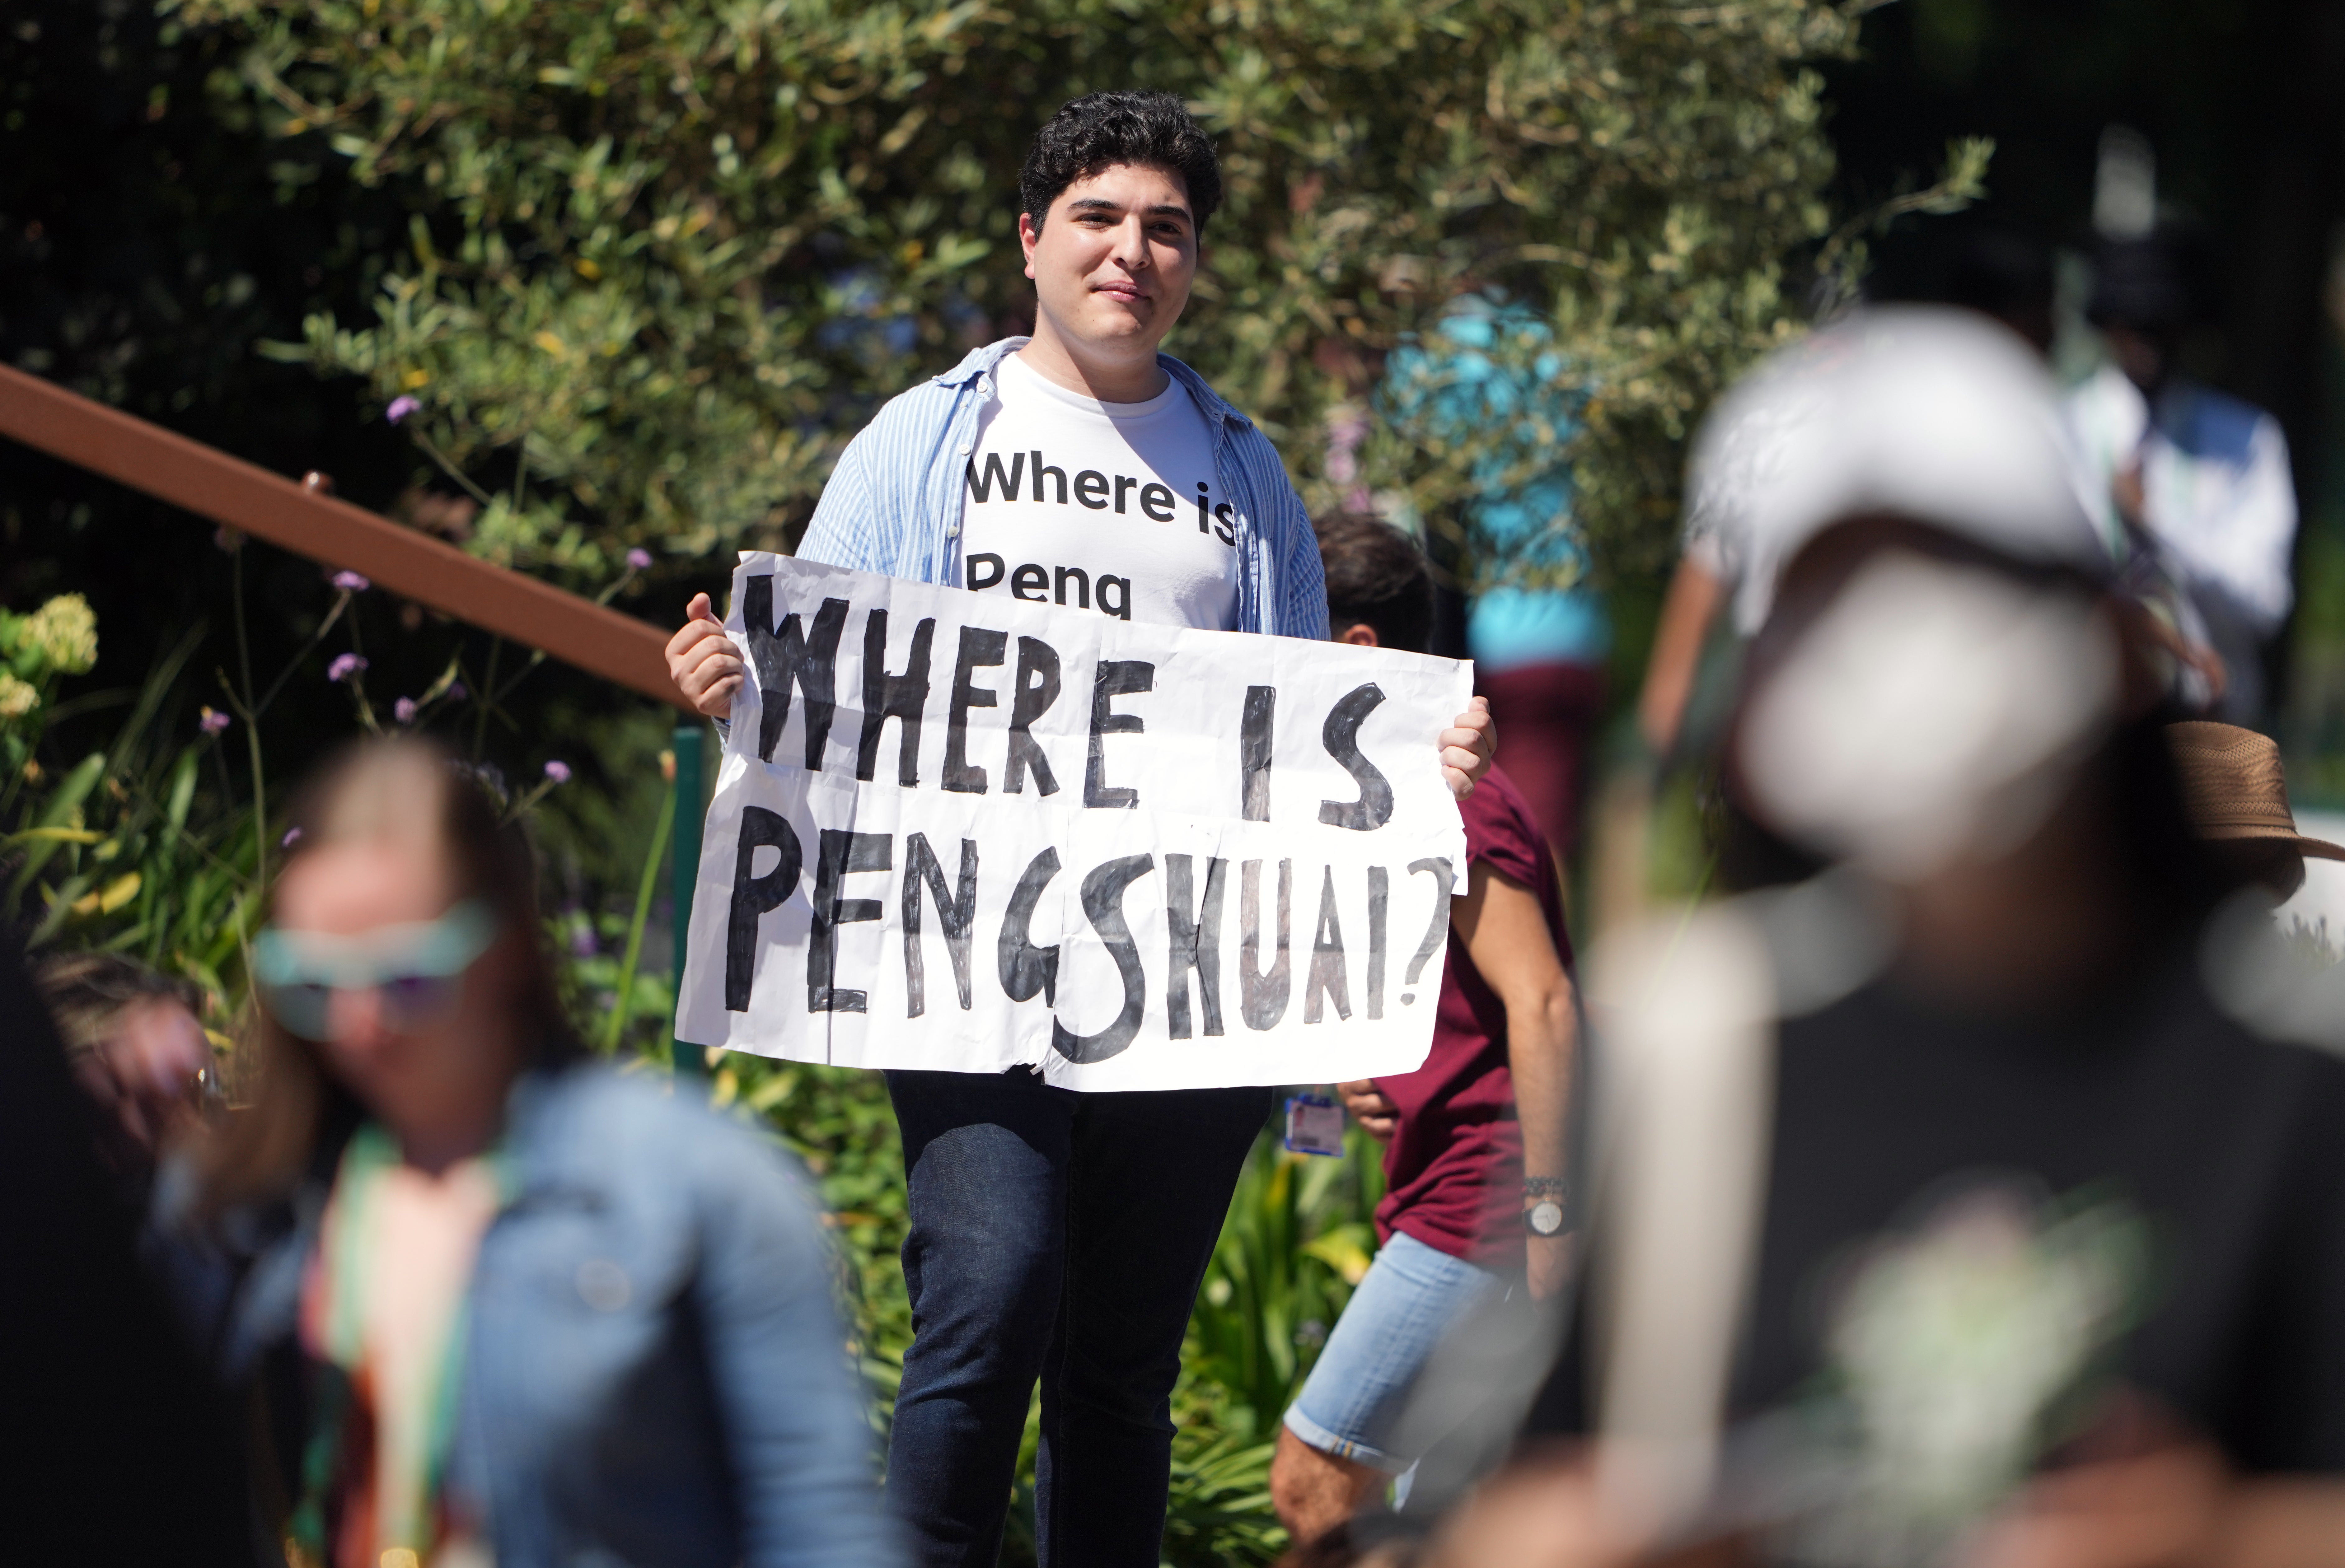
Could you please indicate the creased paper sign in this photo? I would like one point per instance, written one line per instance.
(972, 834)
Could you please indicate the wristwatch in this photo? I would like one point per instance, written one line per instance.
(1545, 1216)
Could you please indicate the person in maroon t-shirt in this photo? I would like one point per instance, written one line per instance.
(1475, 1158)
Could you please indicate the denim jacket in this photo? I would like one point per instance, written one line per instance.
(893, 504)
(652, 1372)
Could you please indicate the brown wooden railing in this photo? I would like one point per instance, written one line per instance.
(307, 522)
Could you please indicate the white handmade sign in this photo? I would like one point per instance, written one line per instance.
(970, 834)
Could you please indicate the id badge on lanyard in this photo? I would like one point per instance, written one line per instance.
(1314, 1125)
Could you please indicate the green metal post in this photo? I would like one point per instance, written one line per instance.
(690, 804)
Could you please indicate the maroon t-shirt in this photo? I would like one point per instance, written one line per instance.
(1454, 1169)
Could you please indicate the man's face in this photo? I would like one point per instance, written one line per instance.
(2144, 357)
(1114, 258)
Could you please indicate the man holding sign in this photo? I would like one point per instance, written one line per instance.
(1015, 899)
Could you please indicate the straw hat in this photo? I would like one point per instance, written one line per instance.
(2233, 789)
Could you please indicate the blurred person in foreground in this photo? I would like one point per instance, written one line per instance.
(2201, 476)
(137, 1051)
(1474, 1140)
(498, 1302)
(2003, 273)
(120, 1452)
(2002, 1242)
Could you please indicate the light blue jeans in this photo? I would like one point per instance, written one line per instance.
(1351, 1404)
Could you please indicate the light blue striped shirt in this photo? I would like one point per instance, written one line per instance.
(893, 504)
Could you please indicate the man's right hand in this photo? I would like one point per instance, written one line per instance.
(704, 663)
(1377, 1116)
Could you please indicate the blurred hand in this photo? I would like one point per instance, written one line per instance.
(1467, 745)
(1542, 1512)
(704, 663)
(2126, 491)
(2148, 1512)
(1377, 1116)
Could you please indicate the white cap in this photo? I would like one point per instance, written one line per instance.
(1928, 412)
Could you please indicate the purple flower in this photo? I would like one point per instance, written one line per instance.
(403, 710)
(456, 692)
(293, 834)
(212, 722)
(558, 771)
(344, 666)
(400, 407)
(352, 582)
(639, 558)
(582, 941)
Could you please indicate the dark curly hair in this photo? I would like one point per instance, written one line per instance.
(1099, 130)
(1375, 574)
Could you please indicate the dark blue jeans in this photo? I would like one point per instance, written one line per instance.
(1060, 1236)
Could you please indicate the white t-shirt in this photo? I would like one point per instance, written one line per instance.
(1111, 507)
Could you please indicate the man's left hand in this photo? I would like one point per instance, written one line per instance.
(1466, 747)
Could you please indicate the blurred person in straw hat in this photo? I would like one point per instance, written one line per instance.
(2236, 795)
(1947, 1215)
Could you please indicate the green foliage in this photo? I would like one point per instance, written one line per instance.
(665, 257)
(126, 849)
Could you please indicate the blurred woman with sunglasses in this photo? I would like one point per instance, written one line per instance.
(493, 1302)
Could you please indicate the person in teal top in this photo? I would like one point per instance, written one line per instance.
(1539, 652)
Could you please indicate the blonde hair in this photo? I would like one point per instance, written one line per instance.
(414, 793)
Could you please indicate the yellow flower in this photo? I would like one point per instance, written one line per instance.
(16, 698)
(65, 629)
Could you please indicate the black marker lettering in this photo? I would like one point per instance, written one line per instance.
(1254, 750)
(899, 697)
(1379, 902)
(840, 855)
(1024, 967)
(1037, 689)
(978, 648)
(1261, 998)
(785, 656)
(1196, 944)
(1328, 977)
(756, 896)
(956, 917)
(1341, 735)
(1103, 907)
(1437, 929)
(1116, 678)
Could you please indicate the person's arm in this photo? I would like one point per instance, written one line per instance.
(798, 1437)
(1506, 934)
(1686, 612)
